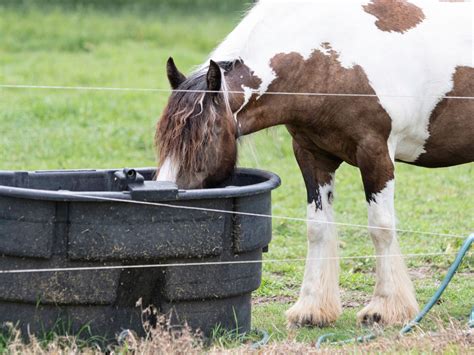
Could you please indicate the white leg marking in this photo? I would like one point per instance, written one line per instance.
(168, 171)
(319, 302)
(394, 298)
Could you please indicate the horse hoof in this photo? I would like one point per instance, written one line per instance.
(371, 319)
(387, 311)
(304, 314)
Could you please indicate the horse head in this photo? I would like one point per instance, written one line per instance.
(196, 136)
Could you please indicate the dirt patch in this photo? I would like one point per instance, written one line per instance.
(273, 299)
(349, 298)
(421, 272)
(354, 299)
(430, 272)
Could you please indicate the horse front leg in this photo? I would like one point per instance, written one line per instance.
(319, 301)
(394, 300)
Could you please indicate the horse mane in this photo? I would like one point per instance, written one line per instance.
(189, 125)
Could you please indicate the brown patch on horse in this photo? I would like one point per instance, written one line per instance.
(333, 129)
(451, 125)
(395, 15)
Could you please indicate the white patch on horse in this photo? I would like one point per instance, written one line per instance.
(394, 296)
(168, 171)
(247, 95)
(319, 300)
(225, 90)
(418, 63)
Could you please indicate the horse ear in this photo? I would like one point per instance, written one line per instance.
(214, 77)
(175, 77)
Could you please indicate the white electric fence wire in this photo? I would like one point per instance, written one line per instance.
(123, 267)
(125, 89)
(188, 264)
(249, 214)
(237, 262)
(88, 88)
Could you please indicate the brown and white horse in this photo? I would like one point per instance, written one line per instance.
(406, 56)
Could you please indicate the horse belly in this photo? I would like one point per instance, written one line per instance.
(451, 138)
(451, 126)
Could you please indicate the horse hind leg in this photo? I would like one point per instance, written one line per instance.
(393, 301)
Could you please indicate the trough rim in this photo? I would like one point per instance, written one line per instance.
(272, 181)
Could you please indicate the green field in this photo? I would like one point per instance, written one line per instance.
(128, 47)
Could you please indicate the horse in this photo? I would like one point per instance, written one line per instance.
(368, 83)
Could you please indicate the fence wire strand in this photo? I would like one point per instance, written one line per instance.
(214, 263)
(257, 92)
(249, 214)
(236, 262)
(166, 205)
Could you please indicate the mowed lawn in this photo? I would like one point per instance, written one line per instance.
(63, 129)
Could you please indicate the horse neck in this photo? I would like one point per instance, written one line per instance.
(260, 113)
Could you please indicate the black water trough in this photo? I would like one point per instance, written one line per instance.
(48, 220)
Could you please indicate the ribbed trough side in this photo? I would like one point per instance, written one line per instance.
(42, 227)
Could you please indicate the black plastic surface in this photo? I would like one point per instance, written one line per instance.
(49, 220)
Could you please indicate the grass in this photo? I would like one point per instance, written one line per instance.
(95, 46)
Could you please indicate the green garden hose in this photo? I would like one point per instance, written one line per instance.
(262, 342)
(471, 320)
(452, 270)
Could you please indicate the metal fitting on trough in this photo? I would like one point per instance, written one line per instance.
(141, 190)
